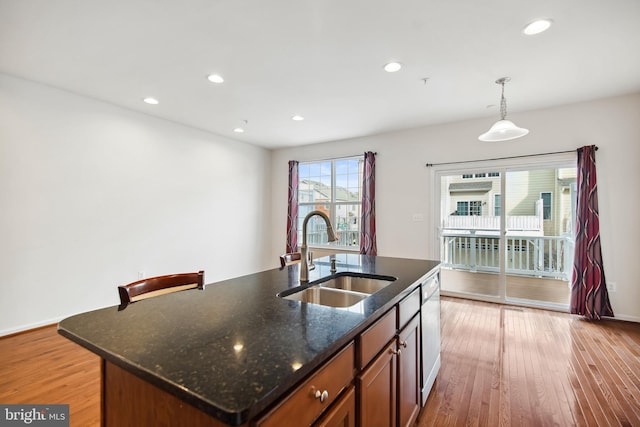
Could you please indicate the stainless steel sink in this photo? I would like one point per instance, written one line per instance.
(343, 290)
(327, 296)
(366, 285)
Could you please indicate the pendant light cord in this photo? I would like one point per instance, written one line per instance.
(503, 104)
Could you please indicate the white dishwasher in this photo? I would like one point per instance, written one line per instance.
(430, 326)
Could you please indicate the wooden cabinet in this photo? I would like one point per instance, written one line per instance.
(128, 400)
(305, 404)
(343, 413)
(377, 390)
(409, 373)
(371, 341)
(389, 386)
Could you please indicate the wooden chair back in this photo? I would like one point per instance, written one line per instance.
(290, 258)
(160, 285)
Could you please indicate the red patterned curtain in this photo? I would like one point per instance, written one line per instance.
(292, 212)
(368, 244)
(589, 295)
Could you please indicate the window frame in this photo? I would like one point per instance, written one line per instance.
(333, 204)
(471, 207)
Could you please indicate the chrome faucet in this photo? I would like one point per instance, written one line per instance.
(304, 266)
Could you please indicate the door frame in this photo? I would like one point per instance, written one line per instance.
(544, 161)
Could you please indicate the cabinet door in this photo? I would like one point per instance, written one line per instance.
(377, 390)
(343, 413)
(409, 373)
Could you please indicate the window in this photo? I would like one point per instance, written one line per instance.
(475, 208)
(546, 205)
(496, 204)
(335, 188)
(469, 208)
(480, 175)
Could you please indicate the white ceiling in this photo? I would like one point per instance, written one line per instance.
(323, 59)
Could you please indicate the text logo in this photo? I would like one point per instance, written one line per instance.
(34, 415)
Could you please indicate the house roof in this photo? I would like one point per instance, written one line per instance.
(477, 186)
(342, 194)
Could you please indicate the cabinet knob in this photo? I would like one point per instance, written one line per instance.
(324, 395)
(396, 351)
(403, 343)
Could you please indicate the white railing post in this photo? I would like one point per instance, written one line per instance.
(473, 262)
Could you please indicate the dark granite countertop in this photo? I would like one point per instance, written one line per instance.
(235, 347)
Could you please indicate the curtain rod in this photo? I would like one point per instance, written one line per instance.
(502, 158)
(335, 158)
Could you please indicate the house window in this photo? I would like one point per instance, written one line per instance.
(480, 175)
(546, 205)
(469, 208)
(335, 188)
(496, 204)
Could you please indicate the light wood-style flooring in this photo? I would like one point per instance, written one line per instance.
(501, 366)
(541, 290)
(513, 366)
(42, 367)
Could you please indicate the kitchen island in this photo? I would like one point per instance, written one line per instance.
(234, 350)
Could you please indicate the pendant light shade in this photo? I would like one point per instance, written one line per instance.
(503, 130)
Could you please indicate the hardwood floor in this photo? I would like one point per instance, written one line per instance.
(512, 366)
(42, 367)
(527, 288)
(501, 366)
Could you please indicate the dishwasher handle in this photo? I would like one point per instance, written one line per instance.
(429, 287)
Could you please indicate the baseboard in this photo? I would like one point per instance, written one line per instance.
(31, 326)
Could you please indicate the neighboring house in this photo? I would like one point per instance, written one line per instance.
(549, 193)
(314, 195)
(539, 211)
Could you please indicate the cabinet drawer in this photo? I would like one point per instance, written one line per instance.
(376, 337)
(408, 307)
(302, 406)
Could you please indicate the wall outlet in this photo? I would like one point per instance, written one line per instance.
(611, 286)
(417, 217)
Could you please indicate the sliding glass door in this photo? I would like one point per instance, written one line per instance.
(539, 234)
(470, 233)
(506, 233)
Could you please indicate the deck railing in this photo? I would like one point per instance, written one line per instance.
(472, 222)
(346, 238)
(539, 256)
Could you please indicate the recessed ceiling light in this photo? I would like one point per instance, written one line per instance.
(537, 27)
(392, 67)
(238, 130)
(214, 78)
(297, 118)
(151, 101)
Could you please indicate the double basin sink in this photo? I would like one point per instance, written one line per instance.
(340, 290)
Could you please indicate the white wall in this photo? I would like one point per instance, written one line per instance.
(404, 184)
(92, 194)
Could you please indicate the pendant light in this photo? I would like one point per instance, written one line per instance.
(503, 130)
